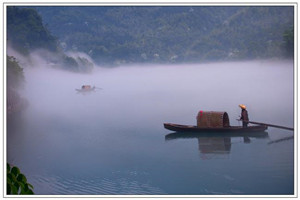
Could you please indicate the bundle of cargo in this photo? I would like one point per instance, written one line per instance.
(86, 87)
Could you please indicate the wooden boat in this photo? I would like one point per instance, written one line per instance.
(218, 122)
(215, 123)
(226, 129)
(86, 88)
(190, 135)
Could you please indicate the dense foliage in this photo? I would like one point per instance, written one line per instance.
(26, 33)
(14, 73)
(25, 30)
(15, 81)
(170, 33)
(17, 182)
(126, 34)
(289, 42)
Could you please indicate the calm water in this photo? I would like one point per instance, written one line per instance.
(113, 141)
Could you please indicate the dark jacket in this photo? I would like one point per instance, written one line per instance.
(244, 115)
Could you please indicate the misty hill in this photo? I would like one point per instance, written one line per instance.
(167, 34)
(130, 34)
(26, 33)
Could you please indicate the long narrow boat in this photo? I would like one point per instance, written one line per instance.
(190, 135)
(190, 128)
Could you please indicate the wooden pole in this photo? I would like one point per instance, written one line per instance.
(271, 125)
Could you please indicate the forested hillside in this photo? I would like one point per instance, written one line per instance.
(171, 34)
(14, 80)
(132, 34)
(27, 33)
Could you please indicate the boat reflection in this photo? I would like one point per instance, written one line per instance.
(215, 146)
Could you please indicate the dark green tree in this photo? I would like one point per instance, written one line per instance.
(288, 38)
(25, 30)
(15, 74)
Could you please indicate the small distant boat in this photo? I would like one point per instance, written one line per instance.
(86, 88)
(209, 122)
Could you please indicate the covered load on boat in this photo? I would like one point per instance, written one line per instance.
(212, 119)
(86, 87)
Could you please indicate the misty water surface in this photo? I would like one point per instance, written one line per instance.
(112, 141)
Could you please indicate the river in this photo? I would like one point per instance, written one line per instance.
(112, 141)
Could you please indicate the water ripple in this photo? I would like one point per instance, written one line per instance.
(97, 186)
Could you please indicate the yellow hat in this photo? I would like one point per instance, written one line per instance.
(242, 106)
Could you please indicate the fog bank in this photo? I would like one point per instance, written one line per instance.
(69, 61)
(165, 92)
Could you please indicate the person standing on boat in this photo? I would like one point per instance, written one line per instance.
(244, 115)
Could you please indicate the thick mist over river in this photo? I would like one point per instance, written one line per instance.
(112, 141)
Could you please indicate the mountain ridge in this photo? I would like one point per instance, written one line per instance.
(168, 34)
